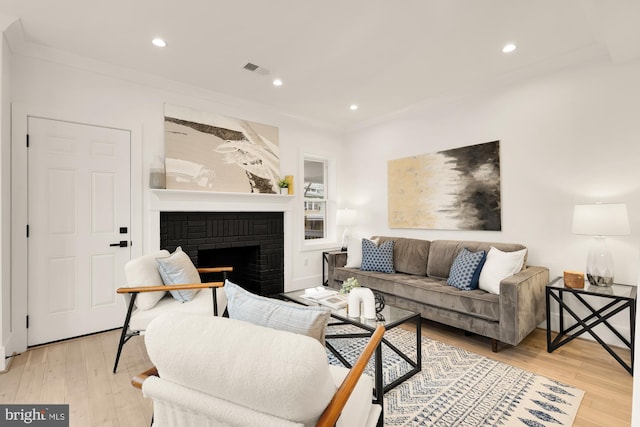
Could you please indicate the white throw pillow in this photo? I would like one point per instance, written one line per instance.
(354, 252)
(143, 271)
(177, 269)
(500, 265)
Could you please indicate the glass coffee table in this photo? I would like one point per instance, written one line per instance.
(390, 317)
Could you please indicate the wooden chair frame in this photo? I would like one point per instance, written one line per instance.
(334, 409)
(127, 334)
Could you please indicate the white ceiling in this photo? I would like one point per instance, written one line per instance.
(383, 55)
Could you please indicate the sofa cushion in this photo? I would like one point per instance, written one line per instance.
(428, 291)
(500, 265)
(465, 271)
(437, 293)
(409, 255)
(443, 252)
(143, 271)
(177, 269)
(276, 314)
(377, 258)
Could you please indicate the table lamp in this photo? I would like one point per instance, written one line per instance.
(345, 218)
(600, 220)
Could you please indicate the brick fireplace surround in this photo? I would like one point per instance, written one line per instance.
(252, 242)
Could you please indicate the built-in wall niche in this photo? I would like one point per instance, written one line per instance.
(251, 242)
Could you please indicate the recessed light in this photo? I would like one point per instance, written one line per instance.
(159, 42)
(353, 107)
(508, 48)
(277, 82)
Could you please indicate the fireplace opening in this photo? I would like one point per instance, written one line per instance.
(251, 242)
(244, 260)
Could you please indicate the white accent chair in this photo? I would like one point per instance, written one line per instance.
(147, 296)
(216, 371)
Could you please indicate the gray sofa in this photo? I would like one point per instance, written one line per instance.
(420, 284)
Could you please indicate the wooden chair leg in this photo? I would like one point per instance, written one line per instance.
(125, 328)
(494, 345)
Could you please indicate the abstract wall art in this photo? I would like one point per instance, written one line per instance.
(210, 152)
(457, 189)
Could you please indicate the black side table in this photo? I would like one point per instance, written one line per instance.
(325, 262)
(621, 297)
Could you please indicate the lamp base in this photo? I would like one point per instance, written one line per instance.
(600, 264)
(600, 280)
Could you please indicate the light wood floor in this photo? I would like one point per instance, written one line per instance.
(78, 372)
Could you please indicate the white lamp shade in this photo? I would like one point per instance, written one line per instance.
(601, 219)
(346, 217)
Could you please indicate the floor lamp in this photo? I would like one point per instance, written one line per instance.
(600, 220)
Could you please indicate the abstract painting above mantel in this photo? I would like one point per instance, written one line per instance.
(209, 152)
(457, 189)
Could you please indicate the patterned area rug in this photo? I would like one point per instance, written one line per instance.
(460, 388)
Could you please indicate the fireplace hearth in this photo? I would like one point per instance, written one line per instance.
(251, 242)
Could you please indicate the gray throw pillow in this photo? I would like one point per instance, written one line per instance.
(177, 269)
(276, 314)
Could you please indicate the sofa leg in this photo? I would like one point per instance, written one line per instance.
(494, 345)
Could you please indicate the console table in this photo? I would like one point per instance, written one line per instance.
(618, 298)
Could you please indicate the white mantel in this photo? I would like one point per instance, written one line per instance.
(208, 201)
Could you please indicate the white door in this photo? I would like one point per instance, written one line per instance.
(79, 207)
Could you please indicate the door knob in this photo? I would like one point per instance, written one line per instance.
(122, 244)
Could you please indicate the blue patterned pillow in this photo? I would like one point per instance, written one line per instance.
(465, 271)
(377, 258)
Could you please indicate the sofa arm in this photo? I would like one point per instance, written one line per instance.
(335, 259)
(522, 303)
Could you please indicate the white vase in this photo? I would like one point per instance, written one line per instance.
(368, 300)
(284, 190)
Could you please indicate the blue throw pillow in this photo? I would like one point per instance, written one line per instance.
(377, 258)
(465, 271)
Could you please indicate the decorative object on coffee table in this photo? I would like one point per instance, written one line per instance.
(600, 220)
(348, 285)
(363, 296)
(379, 302)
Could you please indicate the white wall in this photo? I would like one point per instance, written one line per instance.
(78, 89)
(565, 138)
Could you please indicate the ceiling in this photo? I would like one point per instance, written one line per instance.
(383, 55)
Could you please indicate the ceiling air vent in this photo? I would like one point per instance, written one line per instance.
(256, 69)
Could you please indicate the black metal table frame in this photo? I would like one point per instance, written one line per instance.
(325, 264)
(587, 324)
(379, 380)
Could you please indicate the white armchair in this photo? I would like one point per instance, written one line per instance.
(214, 371)
(147, 296)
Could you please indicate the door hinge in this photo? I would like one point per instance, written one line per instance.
(27, 230)
(27, 140)
(27, 321)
